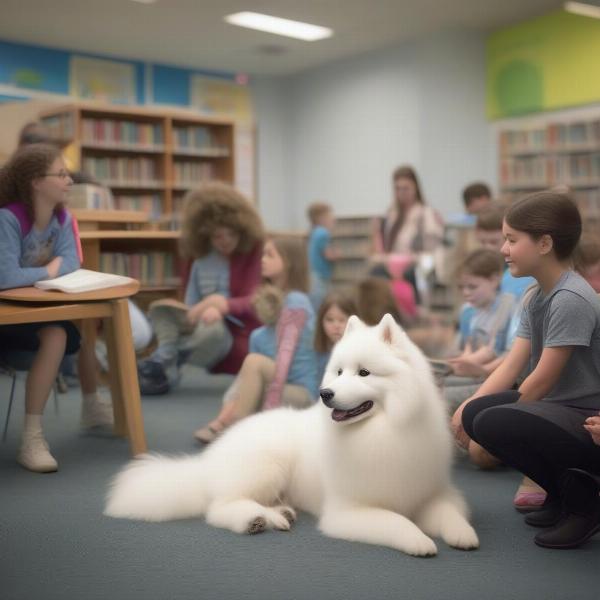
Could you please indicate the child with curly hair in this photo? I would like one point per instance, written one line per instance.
(224, 234)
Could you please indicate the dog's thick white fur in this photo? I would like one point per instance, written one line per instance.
(372, 460)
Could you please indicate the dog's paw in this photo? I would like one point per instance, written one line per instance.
(280, 518)
(257, 525)
(419, 546)
(461, 536)
(287, 512)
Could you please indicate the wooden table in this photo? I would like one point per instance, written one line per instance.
(31, 305)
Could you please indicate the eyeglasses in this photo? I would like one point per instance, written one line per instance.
(63, 174)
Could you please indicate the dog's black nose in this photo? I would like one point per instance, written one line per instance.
(327, 396)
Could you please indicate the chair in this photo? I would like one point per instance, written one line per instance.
(31, 305)
(11, 365)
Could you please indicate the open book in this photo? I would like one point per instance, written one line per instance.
(177, 306)
(82, 280)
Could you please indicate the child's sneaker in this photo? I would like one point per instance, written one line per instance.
(156, 378)
(35, 455)
(96, 411)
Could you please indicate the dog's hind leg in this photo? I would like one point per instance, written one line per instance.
(247, 516)
(376, 526)
(445, 517)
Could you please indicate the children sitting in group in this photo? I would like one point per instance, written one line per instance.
(321, 254)
(280, 368)
(224, 234)
(587, 259)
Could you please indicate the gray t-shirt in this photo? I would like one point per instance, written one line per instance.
(567, 316)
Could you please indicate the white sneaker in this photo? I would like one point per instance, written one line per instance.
(34, 454)
(97, 412)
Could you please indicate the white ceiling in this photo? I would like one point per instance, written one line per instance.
(192, 33)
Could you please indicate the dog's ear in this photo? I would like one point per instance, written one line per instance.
(353, 324)
(390, 331)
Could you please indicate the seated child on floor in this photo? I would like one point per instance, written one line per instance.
(224, 234)
(334, 312)
(281, 367)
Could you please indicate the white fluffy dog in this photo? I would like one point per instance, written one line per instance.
(372, 460)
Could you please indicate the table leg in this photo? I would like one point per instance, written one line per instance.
(123, 373)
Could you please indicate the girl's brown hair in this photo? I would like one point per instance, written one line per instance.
(292, 250)
(374, 299)
(26, 164)
(548, 213)
(345, 303)
(587, 253)
(214, 205)
(482, 263)
(407, 172)
(403, 172)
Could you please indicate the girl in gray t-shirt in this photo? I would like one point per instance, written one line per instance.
(539, 428)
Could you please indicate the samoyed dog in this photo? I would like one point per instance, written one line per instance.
(372, 460)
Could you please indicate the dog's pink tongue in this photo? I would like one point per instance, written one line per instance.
(339, 415)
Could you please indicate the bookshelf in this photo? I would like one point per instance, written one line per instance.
(554, 150)
(149, 159)
(352, 237)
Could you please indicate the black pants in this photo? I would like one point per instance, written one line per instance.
(540, 439)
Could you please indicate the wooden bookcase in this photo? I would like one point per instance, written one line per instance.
(149, 159)
(352, 237)
(556, 150)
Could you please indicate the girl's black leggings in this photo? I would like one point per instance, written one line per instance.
(525, 438)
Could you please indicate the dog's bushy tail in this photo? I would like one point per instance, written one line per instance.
(158, 488)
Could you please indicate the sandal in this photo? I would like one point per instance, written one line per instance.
(529, 497)
(209, 433)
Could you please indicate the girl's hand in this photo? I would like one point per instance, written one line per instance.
(217, 301)
(195, 313)
(211, 315)
(461, 437)
(464, 366)
(53, 267)
(592, 425)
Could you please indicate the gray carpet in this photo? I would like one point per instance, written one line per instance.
(55, 543)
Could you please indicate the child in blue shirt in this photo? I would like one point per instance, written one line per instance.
(37, 241)
(320, 252)
(281, 367)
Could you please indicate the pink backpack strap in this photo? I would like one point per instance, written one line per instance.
(18, 209)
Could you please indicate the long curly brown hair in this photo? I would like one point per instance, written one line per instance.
(214, 205)
(26, 164)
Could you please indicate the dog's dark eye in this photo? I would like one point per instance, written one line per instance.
(364, 372)
(339, 371)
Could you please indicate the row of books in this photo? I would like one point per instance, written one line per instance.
(91, 196)
(576, 169)
(151, 204)
(196, 137)
(61, 126)
(350, 270)
(554, 136)
(358, 226)
(350, 246)
(192, 172)
(150, 268)
(123, 169)
(118, 131)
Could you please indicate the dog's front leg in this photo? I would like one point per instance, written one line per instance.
(376, 526)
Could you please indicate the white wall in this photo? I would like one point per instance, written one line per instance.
(335, 133)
